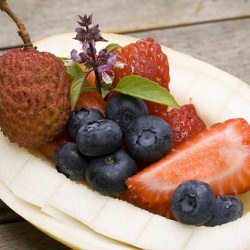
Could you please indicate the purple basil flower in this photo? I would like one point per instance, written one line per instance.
(88, 35)
(113, 58)
(101, 62)
(107, 60)
(80, 34)
(85, 20)
(106, 78)
(95, 34)
(103, 68)
(74, 55)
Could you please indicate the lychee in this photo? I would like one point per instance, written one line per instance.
(34, 94)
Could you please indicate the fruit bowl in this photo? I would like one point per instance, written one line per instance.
(53, 204)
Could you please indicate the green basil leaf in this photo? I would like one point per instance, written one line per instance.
(112, 47)
(89, 88)
(145, 89)
(64, 58)
(75, 70)
(75, 90)
(104, 92)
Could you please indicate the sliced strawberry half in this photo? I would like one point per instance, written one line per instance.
(219, 155)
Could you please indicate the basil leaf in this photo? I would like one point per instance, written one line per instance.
(75, 90)
(75, 70)
(145, 89)
(104, 92)
(64, 58)
(112, 47)
(89, 88)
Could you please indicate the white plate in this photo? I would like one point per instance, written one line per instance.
(189, 77)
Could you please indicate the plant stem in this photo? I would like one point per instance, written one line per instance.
(93, 55)
(22, 32)
(97, 75)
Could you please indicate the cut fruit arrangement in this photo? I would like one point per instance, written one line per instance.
(131, 161)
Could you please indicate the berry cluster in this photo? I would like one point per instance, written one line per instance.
(109, 148)
(106, 150)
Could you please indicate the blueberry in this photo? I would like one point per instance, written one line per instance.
(69, 161)
(227, 208)
(107, 174)
(193, 202)
(99, 138)
(80, 117)
(124, 108)
(148, 138)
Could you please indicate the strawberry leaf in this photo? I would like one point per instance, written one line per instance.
(145, 89)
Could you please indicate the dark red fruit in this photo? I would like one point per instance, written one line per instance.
(143, 58)
(185, 123)
(34, 96)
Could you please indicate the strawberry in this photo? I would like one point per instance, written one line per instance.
(143, 58)
(156, 109)
(218, 155)
(184, 121)
(48, 149)
(91, 99)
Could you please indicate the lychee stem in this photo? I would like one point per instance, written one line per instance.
(22, 32)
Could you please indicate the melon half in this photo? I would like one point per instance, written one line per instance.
(81, 218)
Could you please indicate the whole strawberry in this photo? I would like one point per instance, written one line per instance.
(143, 58)
(34, 93)
(184, 121)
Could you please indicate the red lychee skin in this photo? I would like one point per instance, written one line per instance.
(34, 96)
